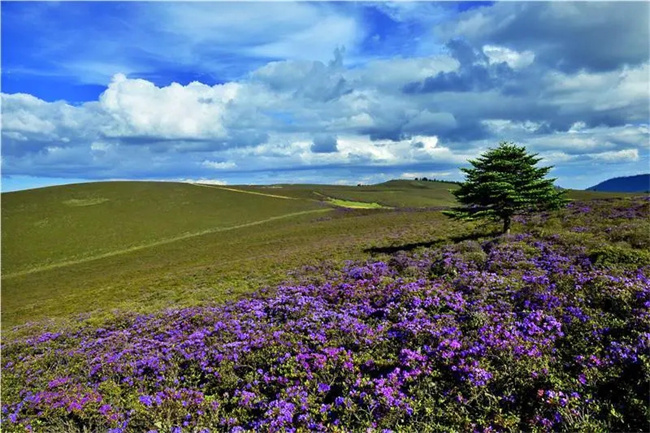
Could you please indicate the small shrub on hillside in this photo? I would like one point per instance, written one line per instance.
(636, 235)
(613, 255)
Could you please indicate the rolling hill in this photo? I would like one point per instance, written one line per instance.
(438, 314)
(394, 193)
(143, 246)
(49, 226)
(638, 183)
(147, 245)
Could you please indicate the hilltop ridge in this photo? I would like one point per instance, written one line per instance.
(638, 183)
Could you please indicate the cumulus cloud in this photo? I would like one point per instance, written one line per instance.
(395, 114)
(140, 109)
(617, 156)
(513, 59)
(218, 165)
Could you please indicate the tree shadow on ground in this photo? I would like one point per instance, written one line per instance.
(434, 243)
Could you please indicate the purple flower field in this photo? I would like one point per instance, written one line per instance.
(547, 330)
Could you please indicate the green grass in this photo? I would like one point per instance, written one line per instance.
(49, 226)
(355, 204)
(575, 194)
(396, 193)
(143, 246)
(211, 267)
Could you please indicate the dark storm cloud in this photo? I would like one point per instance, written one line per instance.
(324, 144)
(569, 36)
(470, 77)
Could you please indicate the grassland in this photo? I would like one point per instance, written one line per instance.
(444, 328)
(143, 246)
(395, 193)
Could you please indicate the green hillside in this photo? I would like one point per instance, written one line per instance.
(49, 226)
(398, 193)
(395, 193)
(143, 246)
(146, 245)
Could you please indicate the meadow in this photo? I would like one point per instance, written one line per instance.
(309, 316)
(143, 245)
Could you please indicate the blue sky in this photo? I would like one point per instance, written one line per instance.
(319, 92)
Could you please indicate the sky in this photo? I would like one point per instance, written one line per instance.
(319, 92)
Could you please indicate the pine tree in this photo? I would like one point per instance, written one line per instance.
(505, 182)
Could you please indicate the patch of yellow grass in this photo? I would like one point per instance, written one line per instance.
(76, 202)
(355, 204)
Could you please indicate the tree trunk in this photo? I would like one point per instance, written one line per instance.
(506, 225)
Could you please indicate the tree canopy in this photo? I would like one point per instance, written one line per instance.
(504, 182)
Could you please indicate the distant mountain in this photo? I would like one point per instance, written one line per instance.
(638, 183)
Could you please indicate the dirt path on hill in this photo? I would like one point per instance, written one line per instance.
(245, 192)
(160, 242)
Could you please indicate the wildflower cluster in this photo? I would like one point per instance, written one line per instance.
(525, 332)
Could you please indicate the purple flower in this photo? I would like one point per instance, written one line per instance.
(446, 320)
(146, 400)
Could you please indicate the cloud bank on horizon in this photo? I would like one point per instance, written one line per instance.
(320, 92)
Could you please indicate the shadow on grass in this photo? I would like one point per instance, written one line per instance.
(434, 243)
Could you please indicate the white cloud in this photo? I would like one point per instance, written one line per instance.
(218, 165)
(415, 149)
(514, 59)
(26, 118)
(24, 115)
(140, 109)
(428, 175)
(269, 120)
(624, 155)
(204, 180)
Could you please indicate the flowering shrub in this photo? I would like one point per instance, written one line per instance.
(524, 332)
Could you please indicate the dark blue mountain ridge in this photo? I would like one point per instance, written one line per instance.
(638, 183)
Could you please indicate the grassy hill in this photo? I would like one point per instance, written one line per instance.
(394, 193)
(49, 226)
(143, 246)
(443, 327)
(146, 245)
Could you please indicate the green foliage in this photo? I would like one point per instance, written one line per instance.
(611, 255)
(505, 182)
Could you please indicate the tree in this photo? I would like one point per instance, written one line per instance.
(505, 182)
